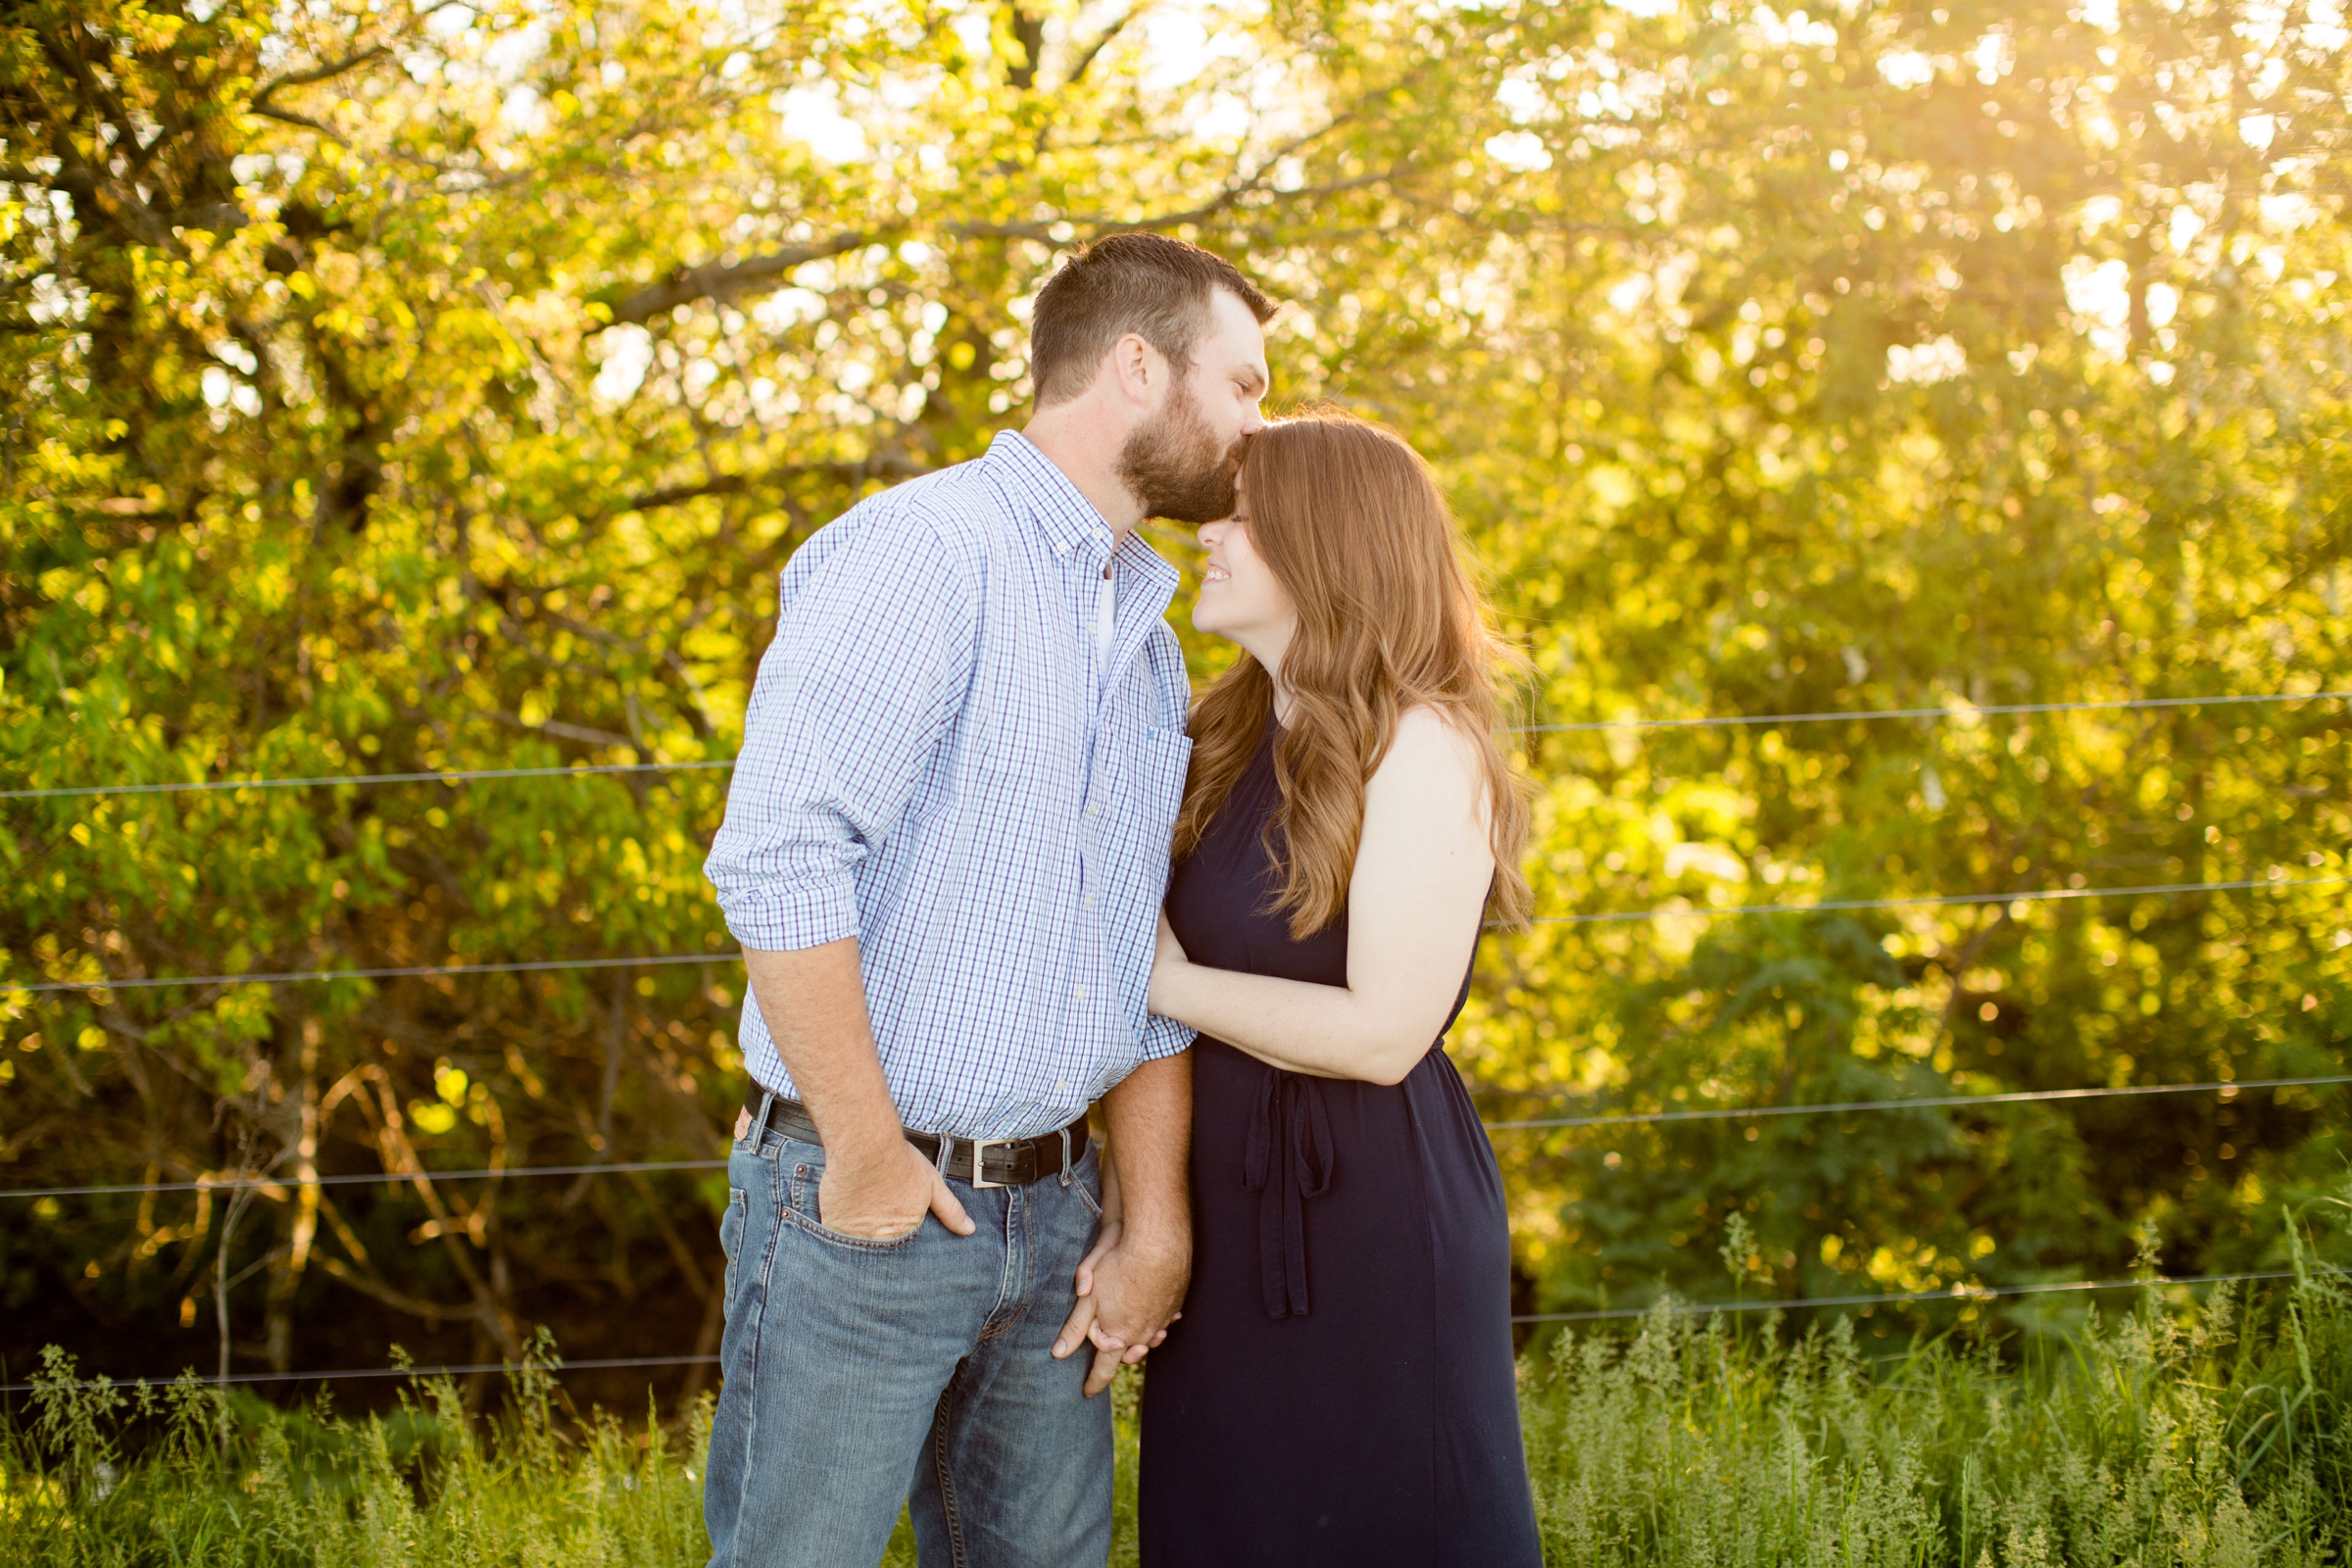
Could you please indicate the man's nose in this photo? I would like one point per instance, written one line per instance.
(1254, 421)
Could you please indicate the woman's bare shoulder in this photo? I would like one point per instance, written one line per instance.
(1431, 747)
(1429, 731)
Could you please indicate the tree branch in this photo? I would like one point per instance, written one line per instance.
(431, 1311)
(719, 280)
(290, 117)
(1101, 40)
(325, 73)
(559, 730)
(881, 466)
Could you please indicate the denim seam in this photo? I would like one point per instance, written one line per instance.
(754, 1333)
(954, 1516)
(737, 1199)
(1010, 1284)
(775, 1231)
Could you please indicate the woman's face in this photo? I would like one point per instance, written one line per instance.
(1239, 598)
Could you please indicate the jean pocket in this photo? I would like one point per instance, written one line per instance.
(1086, 1179)
(800, 1212)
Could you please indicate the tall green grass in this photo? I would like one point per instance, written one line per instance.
(2215, 1436)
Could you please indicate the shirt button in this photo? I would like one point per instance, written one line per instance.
(1091, 901)
(1082, 993)
(1061, 1084)
(1094, 808)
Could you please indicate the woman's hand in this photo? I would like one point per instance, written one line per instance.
(1167, 965)
(1081, 1328)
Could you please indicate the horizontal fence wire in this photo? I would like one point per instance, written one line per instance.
(405, 972)
(1962, 1295)
(1971, 711)
(1824, 906)
(464, 775)
(466, 1369)
(399, 1177)
(1717, 722)
(2019, 1097)
(1934, 899)
(233, 1183)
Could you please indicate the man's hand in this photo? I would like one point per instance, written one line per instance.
(878, 1186)
(1131, 1283)
(1079, 1328)
(1129, 1293)
(882, 1196)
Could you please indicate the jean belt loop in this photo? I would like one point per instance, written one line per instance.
(767, 1102)
(1065, 1156)
(947, 1147)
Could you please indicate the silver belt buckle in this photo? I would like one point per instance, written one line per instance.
(979, 1157)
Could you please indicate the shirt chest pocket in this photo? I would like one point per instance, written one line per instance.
(1143, 781)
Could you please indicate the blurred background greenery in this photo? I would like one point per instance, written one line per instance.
(402, 387)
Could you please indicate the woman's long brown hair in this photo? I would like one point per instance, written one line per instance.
(1350, 520)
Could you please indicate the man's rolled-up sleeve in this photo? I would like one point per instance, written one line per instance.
(1165, 1037)
(873, 651)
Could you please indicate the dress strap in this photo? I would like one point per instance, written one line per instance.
(1288, 1161)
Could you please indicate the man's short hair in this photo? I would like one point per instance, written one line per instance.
(1147, 284)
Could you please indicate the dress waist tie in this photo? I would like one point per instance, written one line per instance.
(1288, 1161)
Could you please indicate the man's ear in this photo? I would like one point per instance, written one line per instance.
(1136, 369)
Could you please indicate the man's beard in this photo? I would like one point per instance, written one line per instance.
(1174, 466)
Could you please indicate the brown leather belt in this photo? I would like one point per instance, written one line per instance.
(981, 1161)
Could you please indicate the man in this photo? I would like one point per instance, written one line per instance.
(944, 850)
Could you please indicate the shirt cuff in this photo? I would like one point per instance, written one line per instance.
(1165, 1037)
(787, 918)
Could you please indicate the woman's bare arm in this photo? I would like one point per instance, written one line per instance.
(1422, 870)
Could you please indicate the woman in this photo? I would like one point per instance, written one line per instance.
(1339, 1388)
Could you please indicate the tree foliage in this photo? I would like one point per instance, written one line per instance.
(415, 389)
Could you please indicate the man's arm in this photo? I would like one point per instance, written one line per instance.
(1132, 1291)
(876, 1184)
(875, 630)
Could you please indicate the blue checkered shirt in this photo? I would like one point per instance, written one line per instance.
(934, 765)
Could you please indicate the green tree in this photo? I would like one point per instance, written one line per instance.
(429, 389)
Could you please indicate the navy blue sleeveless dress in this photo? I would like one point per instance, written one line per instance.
(1340, 1390)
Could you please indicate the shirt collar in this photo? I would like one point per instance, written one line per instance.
(1043, 494)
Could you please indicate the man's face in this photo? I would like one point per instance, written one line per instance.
(1181, 463)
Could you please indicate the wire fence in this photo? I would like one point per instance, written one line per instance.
(1956, 1295)
(238, 1181)
(1662, 912)
(1945, 713)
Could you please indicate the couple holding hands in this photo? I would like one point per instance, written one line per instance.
(970, 750)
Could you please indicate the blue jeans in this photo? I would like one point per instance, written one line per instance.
(863, 1374)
